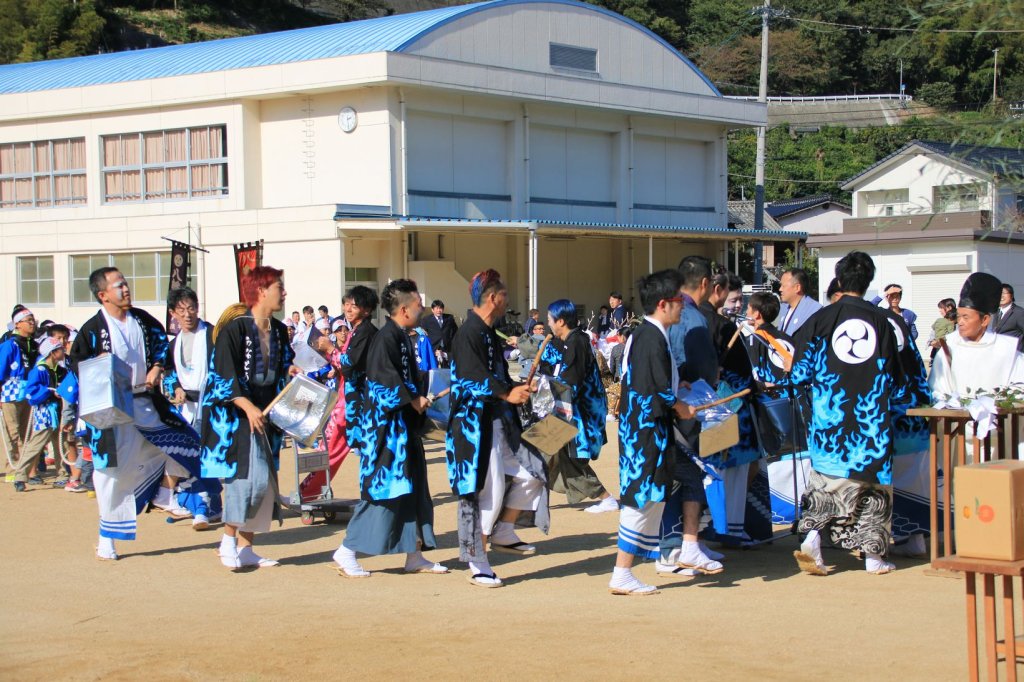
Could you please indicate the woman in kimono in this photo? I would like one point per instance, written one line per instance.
(395, 514)
(251, 364)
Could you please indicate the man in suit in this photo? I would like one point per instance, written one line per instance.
(1009, 318)
(797, 306)
(618, 312)
(441, 328)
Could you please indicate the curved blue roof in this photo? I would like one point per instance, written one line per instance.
(384, 34)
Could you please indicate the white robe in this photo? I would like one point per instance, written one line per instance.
(990, 363)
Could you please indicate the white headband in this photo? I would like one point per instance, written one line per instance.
(21, 315)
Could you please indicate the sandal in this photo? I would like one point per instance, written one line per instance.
(435, 569)
(808, 565)
(343, 572)
(706, 566)
(518, 548)
(478, 578)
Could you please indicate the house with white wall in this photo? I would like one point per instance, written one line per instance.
(930, 214)
(556, 141)
(817, 214)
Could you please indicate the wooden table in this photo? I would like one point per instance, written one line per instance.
(947, 431)
(1011, 647)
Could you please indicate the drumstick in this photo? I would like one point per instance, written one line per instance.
(536, 359)
(732, 341)
(724, 400)
(441, 394)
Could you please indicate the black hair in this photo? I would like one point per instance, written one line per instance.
(176, 296)
(17, 309)
(397, 292)
(98, 280)
(58, 329)
(363, 297)
(323, 309)
(307, 309)
(889, 286)
(1009, 289)
(855, 272)
(800, 275)
(657, 287)
(694, 269)
(615, 294)
(766, 304)
(726, 280)
(833, 288)
(437, 303)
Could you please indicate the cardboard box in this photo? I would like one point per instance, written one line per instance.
(989, 510)
(719, 435)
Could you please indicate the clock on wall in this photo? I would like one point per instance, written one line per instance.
(347, 119)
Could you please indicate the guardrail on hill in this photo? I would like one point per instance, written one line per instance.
(827, 98)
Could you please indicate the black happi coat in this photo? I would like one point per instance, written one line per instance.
(237, 358)
(848, 354)
(94, 339)
(392, 458)
(353, 369)
(646, 445)
(479, 376)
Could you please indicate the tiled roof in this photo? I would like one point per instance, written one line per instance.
(781, 209)
(383, 34)
(741, 214)
(1004, 161)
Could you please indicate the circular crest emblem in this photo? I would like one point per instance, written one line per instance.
(901, 340)
(854, 341)
(775, 358)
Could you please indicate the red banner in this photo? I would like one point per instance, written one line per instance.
(247, 256)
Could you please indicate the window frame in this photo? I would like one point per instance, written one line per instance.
(52, 174)
(36, 281)
(188, 164)
(162, 259)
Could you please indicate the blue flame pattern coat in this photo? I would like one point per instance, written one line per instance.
(390, 439)
(736, 371)
(848, 354)
(92, 340)
(479, 376)
(589, 403)
(911, 432)
(353, 368)
(236, 359)
(646, 445)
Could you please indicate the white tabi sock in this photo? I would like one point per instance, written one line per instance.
(812, 547)
(480, 567)
(504, 533)
(162, 498)
(690, 552)
(228, 546)
(624, 582)
(874, 563)
(346, 558)
(105, 548)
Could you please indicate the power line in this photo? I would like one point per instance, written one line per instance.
(901, 29)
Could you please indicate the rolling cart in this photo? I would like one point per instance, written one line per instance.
(326, 506)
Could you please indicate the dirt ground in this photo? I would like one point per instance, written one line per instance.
(168, 610)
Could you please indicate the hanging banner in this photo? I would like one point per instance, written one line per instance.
(181, 262)
(248, 255)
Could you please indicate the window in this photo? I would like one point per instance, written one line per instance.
(360, 274)
(43, 173)
(146, 273)
(162, 165)
(954, 198)
(890, 210)
(568, 57)
(35, 280)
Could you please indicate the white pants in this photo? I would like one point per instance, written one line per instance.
(122, 491)
(523, 492)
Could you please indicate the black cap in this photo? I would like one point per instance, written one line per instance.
(981, 292)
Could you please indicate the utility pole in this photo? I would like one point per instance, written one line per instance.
(903, 87)
(995, 72)
(762, 96)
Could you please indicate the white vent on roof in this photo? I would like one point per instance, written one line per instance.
(568, 57)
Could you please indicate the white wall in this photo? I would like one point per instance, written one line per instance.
(918, 174)
(819, 220)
